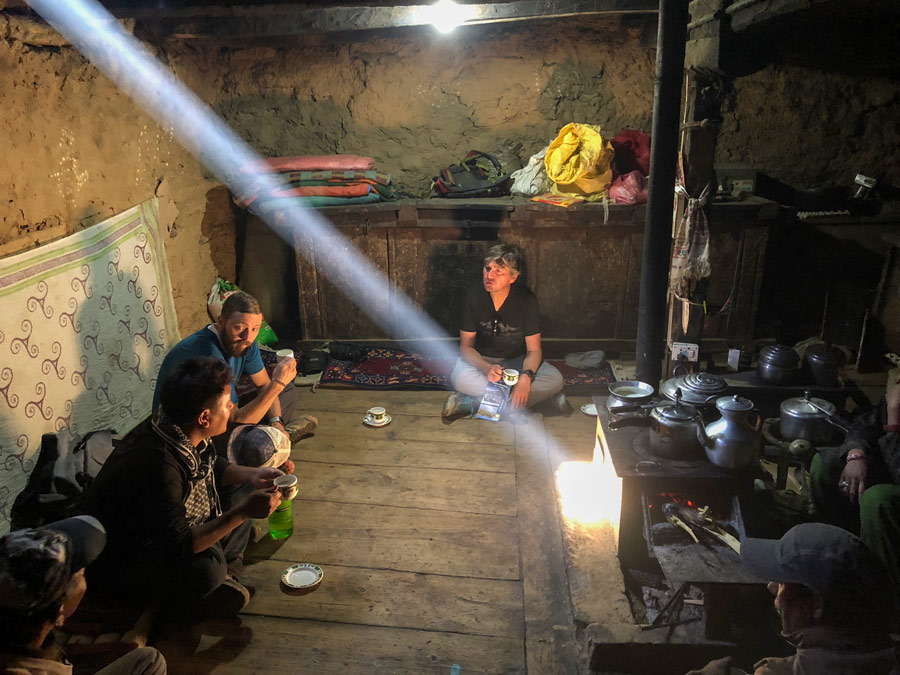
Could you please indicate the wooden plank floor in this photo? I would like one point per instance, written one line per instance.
(440, 544)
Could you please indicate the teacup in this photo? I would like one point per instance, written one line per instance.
(377, 415)
(510, 376)
(284, 354)
(287, 485)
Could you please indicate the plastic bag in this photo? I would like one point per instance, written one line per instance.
(220, 290)
(532, 179)
(579, 161)
(629, 189)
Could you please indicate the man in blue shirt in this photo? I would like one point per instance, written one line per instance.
(232, 339)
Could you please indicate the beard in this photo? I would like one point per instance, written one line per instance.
(237, 348)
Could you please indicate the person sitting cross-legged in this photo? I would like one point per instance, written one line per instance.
(500, 328)
(232, 340)
(42, 583)
(169, 540)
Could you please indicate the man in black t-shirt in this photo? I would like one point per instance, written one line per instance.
(500, 327)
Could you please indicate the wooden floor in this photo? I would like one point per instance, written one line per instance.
(441, 548)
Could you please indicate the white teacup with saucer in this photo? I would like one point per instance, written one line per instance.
(377, 417)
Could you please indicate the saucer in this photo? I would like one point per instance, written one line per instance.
(369, 422)
(589, 409)
(302, 575)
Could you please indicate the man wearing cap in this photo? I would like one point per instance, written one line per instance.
(170, 539)
(500, 328)
(835, 600)
(41, 584)
(858, 485)
(232, 339)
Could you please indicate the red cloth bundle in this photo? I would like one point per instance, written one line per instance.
(313, 163)
(632, 148)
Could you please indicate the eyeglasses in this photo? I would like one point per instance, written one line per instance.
(495, 324)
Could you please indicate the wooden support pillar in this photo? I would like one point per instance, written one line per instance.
(705, 89)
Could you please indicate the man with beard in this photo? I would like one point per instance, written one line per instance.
(232, 339)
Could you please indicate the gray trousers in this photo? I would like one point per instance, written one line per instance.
(140, 661)
(467, 379)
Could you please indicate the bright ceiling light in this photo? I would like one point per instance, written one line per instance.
(445, 15)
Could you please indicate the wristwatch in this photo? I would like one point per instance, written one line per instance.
(530, 373)
(276, 418)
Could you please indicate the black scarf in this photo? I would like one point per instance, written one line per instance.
(202, 501)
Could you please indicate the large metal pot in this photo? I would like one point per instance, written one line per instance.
(675, 431)
(698, 389)
(821, 363)
(778, 365)
(808, 418)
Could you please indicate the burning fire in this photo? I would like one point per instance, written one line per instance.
(590, 493)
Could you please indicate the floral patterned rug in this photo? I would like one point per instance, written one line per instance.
(387, 368)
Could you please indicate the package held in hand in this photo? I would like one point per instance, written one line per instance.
(495, 396)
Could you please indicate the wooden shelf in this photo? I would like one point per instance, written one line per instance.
(500, 211)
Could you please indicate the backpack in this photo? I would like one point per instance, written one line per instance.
(313, 362)
(65, 467)
(478, 175)
(348, 351)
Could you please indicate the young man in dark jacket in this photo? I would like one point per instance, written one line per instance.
(169, 540)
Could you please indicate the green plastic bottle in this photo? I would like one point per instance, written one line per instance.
(281, 522)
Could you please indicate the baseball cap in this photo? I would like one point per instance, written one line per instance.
(37, 563)
(830, 560)
(255, 445)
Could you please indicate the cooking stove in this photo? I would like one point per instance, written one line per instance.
(648, 481)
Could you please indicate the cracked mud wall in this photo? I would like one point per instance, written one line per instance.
(77, 151)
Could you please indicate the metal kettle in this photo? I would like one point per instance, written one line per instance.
(732, 442)
(675, 430)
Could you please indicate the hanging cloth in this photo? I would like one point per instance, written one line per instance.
(690, 252)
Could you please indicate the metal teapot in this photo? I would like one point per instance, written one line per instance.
(676, 430)
(732, 442)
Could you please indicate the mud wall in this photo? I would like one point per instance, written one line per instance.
(816, 100)
(77, 150)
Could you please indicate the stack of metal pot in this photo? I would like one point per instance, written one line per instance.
(778, 365)
(697, 389)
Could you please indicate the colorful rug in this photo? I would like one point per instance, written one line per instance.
(387, 368)
(86, 322)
